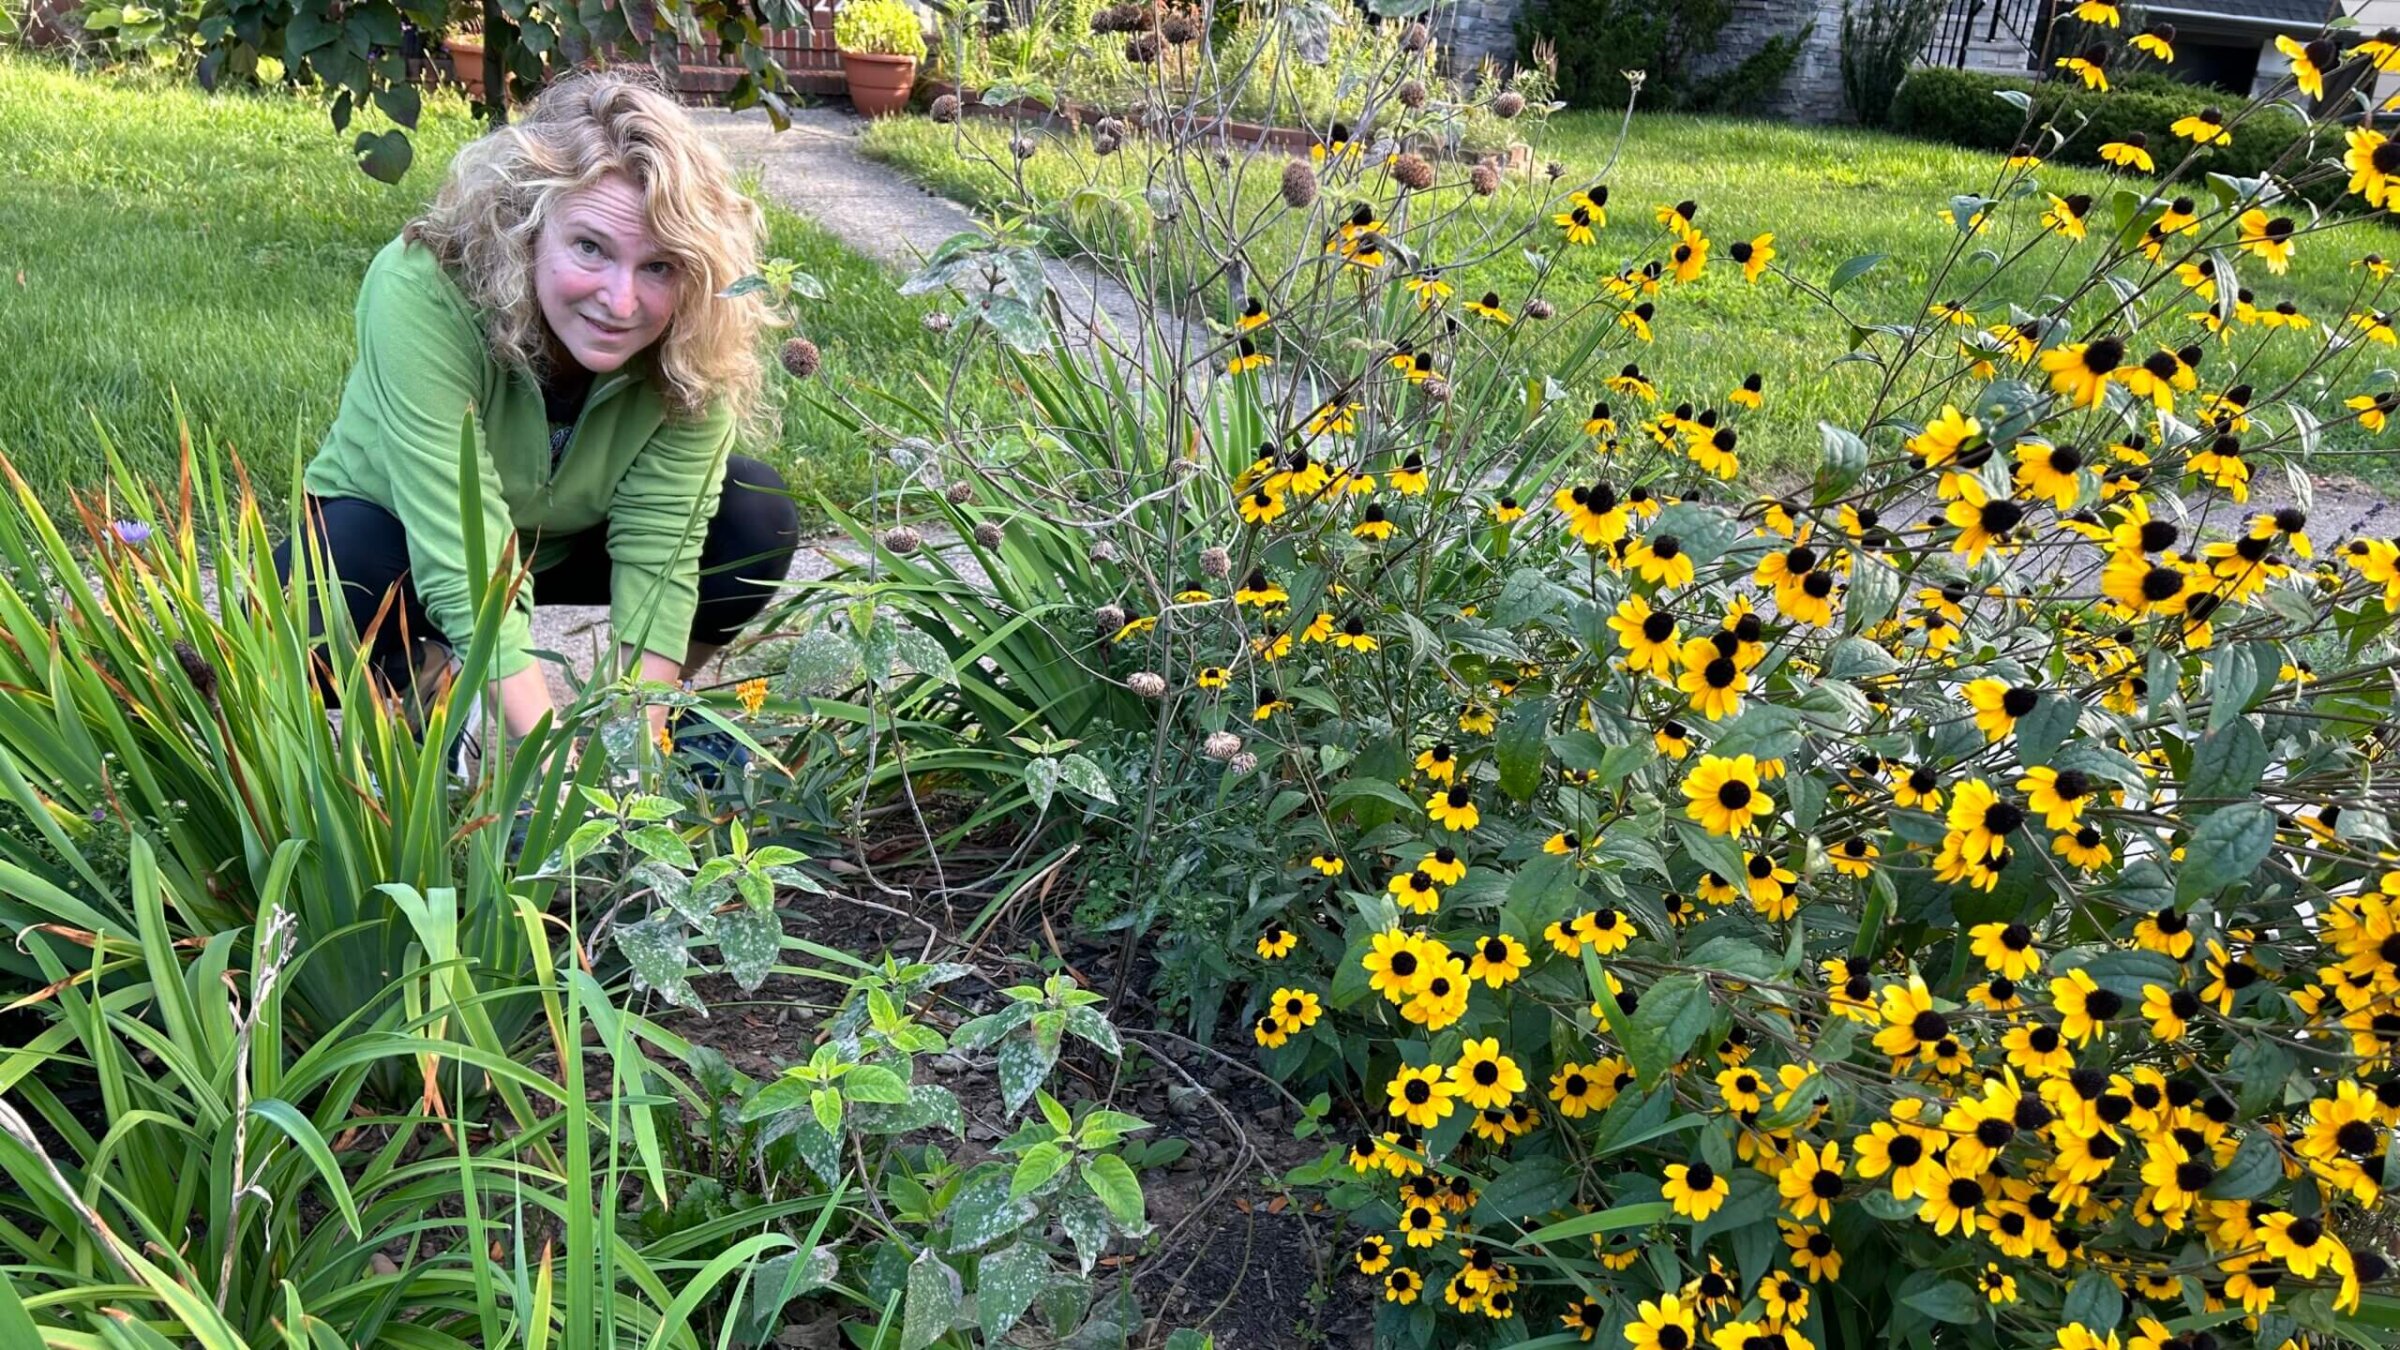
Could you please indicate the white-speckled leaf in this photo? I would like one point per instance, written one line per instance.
(1005, 1284)
(985, 1212)
(930, 1304)
(660, 960)
(749, 940)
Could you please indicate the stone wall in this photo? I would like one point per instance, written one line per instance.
(1474, 29)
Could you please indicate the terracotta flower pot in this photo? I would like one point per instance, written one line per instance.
(466, 63)
(879, 84)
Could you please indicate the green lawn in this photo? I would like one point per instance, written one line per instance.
(1826, 194)
(160, 245)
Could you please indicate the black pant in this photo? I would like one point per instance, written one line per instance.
(749, 547)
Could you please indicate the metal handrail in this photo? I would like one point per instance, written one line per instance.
(1954, 32)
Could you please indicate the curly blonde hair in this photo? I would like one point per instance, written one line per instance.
(484, 222)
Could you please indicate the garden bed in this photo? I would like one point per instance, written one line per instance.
(1516, 158)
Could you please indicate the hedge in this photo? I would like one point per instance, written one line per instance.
(1965, 108)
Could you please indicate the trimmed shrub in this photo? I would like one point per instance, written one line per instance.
(1965, 107)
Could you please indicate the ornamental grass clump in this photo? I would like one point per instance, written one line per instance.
(1946, 899)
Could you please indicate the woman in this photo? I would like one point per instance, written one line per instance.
(566, 287)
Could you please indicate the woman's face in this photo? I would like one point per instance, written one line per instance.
(605, 287)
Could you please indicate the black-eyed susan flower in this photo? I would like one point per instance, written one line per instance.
(1402, 1285)
(1410, 479)
(1680, 218)
(1477, 719)
(1373, 525)
(2205, 127)
(1489, 307)
(2131, 153)
(1328, 864)
(1353, 636)
(1584, 1317)
(1483, 1077)
(2310, 61)
(1632, 383)
(1506, 510)
(1213, 677)
(1694, 1189)
(1417, 1096)
(1415, 892)
(2374, 410)
(1853, 857)
(1943, 438)
(1752, 392)
(2081, 370)
(2089, 66)
(1689, 257)
(2097, 12)
(1259, 592)
(1663, 1323)
(1981, 821)
(2049, 471)
(1673, 739)
(2084, 1008)
(1577, 223)
(1267, 708)
(1438, 762)
(1648, 636)
(1905, 1150)
(1723, 796)
(2156, 42)
(1453, 809)
(2006, 949)
(1254, 315)
(1397, 963)
(1498, 960)
(2066, 214)
(1637, 320)
(2169, 1011)
(1374, 1254)
(1247, 357)
(1712, 678)
(2268, 238)
(1755, 255)
(2020, 157)
(1660, 560)
(1811, 1181)
(1444, 865)
(1579, 1089)
(2374, 163)
(1275, 941)
(1812, 1251)
(1984, 522)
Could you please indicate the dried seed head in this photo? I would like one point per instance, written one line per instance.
(1554, 170)
(197, 669)
(1299, 184)
(1508, 105)
(1104, 552)
(903, 539)
(945, 108)
(961, 492)
(1415, 38)
(987, 533)
(1538, 309)
(1105, 144)
(1179, 27)
(1141, 49)
(1107, 619)
(1216, 562)
(1221, 745)
(1147, 683)
(1411, 94)
(1412, 172)
(1110, 126)
(936, 321)
(1243, 763)
(1484, 179)
(1437, 389)
(801, 358)
(1021, 146)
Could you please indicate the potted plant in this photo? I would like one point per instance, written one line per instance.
(881, 42)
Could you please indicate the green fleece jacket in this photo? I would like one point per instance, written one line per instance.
(422, 364)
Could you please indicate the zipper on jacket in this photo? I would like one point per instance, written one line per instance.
(591, 401)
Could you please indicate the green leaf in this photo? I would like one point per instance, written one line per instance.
(2235, 679)
(1616, 1220)
(2228, 761)
(931, 1302)
(826, 1105)
(2095, 1301)
(1852, 269)
(2224, 849)
(2256, 1166)
(874, 1083)
(1845, 459)
(1112, 1179)
(659, 959)
(662, 843)
(1519, 747)
(1034, 1170)
(1947, 1301)
(2042, 731)
(385, 156)
(1671, 1015)
(1526, 1189)
(1023, 1062)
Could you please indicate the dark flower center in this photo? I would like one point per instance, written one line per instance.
(1700, 1176)
(2018, 702)
(1659, 626)
(1906, 1150)
(2103, 356)
(2002, 818)
(2157, 535)
(1734, 795)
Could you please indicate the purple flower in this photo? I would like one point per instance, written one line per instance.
(131, 533)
